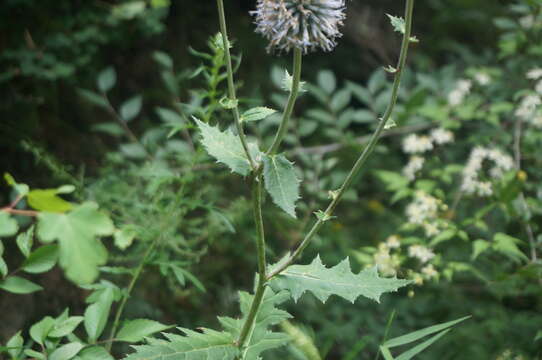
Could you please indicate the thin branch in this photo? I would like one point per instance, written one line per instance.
(231, 85)
(366, 152)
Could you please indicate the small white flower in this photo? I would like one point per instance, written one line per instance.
(482, 78)
(484, 189)
(421, 253)
(414, 165)
(423, 207)
(431, 229)
(393, 242)
(534, 74)
(413, 144)
(429, 271)
(527, 22)
(464, 85)
(538, 87)
(471, 173)
(457, 95)
(442, 136)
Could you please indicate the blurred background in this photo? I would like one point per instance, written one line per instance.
(130, 146)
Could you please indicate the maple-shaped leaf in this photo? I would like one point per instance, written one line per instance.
(225, 147)
(205, 345)
(77, 232)
(338, 280)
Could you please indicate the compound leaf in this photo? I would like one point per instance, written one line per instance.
(338, 280)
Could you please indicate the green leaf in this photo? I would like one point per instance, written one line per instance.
(394, 181)
(66, 352)
(281, 182)
(96, 315)
(131, 108)
(136, 330)
(398, 23)
(40, 330)
(340, 100)
(225, 147)
(65, 327)
(205, 345)
(228, 104)
(94, 353)
(338, 280)
(109, 128)
(327, 81)
(163, 59)
(93, 98)
(19, 285)
(21, 189)
(478, 247)
(8, 225)
(34, 354)
(15, 343)
(442, 329)
(80, 251)
(288, 83)
(48, 200)
(507, 245)
(257, 113)
(128, 10)
(41, 260)
(107, 79)
(443, 236)
(124, 237)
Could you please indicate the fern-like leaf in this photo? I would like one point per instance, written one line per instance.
(338, 280)
(206, 345)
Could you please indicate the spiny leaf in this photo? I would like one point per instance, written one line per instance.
(281, 182)
(225, 147)
(338, 280)
(257, 113)
(398, 23)
(206, 345)
(80, 251)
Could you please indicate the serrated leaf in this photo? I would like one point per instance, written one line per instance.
(205, 345)
(478, 247)
(48, 200)
(76, 232)
(281, 182)
(8, 225)
(225, 147)
(107, 79)
(288, 83)
(19, 285)
(507, 245)
(66, 352)
(41, 260)
(398, 23)
(136, 330)
(131, 108)
(257, 113)
(338, 280)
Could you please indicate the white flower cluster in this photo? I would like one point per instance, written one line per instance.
(527, 22)
(482, 78)
(424, 211)
(471, 173)
(457, 95)
(417, 144)
(529, 107)
(387, 263)
(414, 165)
(420, 252)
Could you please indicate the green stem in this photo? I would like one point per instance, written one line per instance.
(298, 56)
(366, 152)
(260, 244)
(125, 297)
(231, 86)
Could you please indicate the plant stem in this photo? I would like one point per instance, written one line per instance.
(231, 86)
(366, 152)
(298, 56)
(133, 281)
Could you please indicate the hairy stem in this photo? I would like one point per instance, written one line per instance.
(231, 86)
(358, 166)
(294, 91)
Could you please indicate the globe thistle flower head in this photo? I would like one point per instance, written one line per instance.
(303, 24)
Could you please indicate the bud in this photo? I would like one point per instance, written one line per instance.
(303, 24)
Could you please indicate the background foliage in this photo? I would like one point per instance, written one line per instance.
(99, 94)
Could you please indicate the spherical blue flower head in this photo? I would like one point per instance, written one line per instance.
(303, 24)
